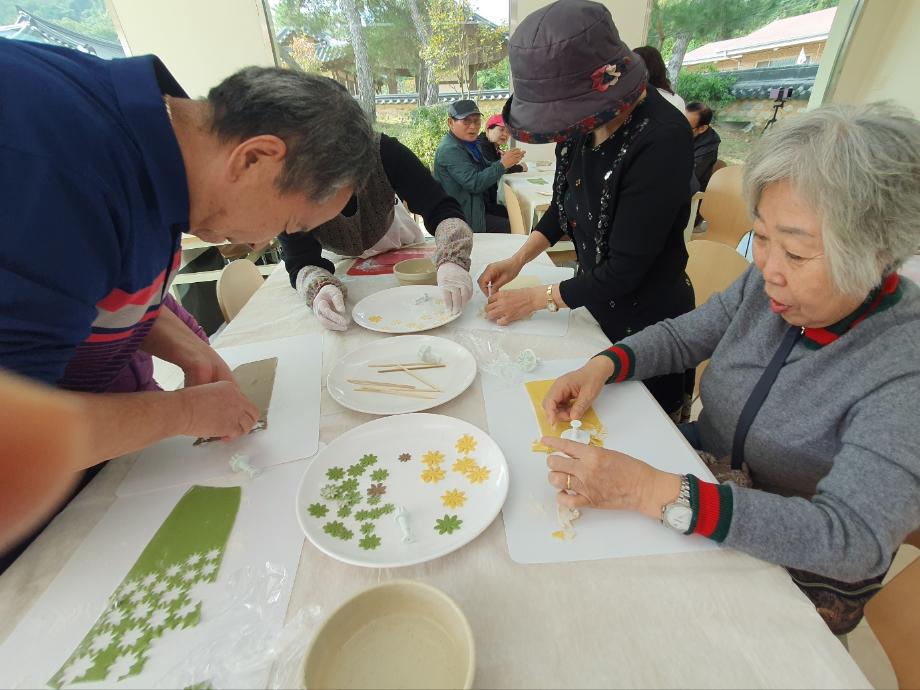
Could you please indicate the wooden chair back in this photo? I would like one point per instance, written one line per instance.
(724, 209)
(894, 616)
(236, 284)
(519, 225)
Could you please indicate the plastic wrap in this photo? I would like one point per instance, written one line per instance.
(493, 359)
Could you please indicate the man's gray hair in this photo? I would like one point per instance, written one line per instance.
(859, 169)
(330, 143)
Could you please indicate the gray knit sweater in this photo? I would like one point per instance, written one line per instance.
(835, 449)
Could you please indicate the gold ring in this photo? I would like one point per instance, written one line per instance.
(568, 482)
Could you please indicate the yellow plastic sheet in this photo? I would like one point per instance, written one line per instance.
(537, 390)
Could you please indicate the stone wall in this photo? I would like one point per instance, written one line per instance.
(758, 111)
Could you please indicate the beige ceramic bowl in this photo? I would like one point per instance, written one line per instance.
(416, 272)
(402, 634)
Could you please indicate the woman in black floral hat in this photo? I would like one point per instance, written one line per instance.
(624, 156)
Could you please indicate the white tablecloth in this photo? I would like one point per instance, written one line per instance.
(713, 619)
(532, 196)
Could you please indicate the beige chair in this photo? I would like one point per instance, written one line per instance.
(236, 284)
(894, 616)
(724, 209)
(519, 224)
(712, 267)
(691, 221)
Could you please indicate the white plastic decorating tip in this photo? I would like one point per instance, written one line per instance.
(426, 355)
(527, 360)
(239, 462)
(402, 519)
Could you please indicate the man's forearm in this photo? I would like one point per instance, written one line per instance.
(120, 423)
(172, 340)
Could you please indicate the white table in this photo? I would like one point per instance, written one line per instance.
(713, 619)
(532, 197)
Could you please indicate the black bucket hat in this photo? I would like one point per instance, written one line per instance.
(571, 72)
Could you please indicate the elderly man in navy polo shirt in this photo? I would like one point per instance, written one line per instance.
(103, 164)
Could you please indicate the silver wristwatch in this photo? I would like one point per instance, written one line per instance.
(678, 515)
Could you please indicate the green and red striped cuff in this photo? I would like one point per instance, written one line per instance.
(624, 362)
(712, 509)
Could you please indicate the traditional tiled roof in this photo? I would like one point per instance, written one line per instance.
(28, 27)
(756, 83)
(791, 31)
(444, 97)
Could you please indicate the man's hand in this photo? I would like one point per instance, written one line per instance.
(512, 158)
(218, 410)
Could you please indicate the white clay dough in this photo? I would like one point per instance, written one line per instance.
(402, 519)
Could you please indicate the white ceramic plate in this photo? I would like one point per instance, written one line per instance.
(407, 309)
(452, 379)
(451, 490)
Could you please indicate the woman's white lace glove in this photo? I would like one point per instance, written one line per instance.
(457, 286)
(329, 308)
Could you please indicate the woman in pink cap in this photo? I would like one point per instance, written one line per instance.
(491, 143)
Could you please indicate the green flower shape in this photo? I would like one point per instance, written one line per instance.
(317, 510)
(335, 473)
(368, 460)
(344, 511)
(379, 475)
(349, 485)
(338, 530)
(367, 528)
(364, 515)
(448, 524)
(369, 542)
(374, 500)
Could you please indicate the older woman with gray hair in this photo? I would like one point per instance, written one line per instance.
(811, 395)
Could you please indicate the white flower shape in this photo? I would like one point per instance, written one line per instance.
(141, 611)
(129, 588)
(115, 617)
(102, 641)
(122, 665)
(77, 669)
(187, 610)
(190, 575)
(173, 570)
(158, 618)
(150, 579)
(194, 559)
(160, 587)
(208, 570)
(138, 597)
(171, 595)
(213, 554)
(131, 637)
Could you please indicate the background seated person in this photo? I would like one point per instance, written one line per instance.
(465, 174)
(705, 142)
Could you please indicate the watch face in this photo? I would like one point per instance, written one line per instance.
(678, 517)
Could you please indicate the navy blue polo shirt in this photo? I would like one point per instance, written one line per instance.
(93, 200)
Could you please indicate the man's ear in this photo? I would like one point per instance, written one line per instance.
(265, 148)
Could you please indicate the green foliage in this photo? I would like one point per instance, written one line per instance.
(87, 17)
(426, 127)
(497, 77)
(708, 86)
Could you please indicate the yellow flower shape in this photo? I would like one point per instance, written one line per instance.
(433, 458)
(453, 498)
(466, 444)
(433, 475)
(375, 319)
(463, 465)
(478, 474)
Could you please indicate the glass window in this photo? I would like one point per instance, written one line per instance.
(82, 25)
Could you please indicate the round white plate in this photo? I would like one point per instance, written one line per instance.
(407, 309)
(449, 500)
(452, 379)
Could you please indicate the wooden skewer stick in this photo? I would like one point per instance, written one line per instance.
(428, 395)
(400, 364)
(381, 384)
(421, 380)
(399, 367)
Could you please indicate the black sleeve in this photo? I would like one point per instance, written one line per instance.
(301, 249)
(415, 185)
(548, 225)
(653, 190)
(703, 163)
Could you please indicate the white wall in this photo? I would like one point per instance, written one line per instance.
(200, 41)
(878, 50)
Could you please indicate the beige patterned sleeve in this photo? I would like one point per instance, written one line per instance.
(454, 241)
(312, 278)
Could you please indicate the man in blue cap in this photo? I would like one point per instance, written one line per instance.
(463, 172)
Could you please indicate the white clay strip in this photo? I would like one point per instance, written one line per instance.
(403, 367)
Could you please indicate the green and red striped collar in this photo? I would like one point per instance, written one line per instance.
(878, 300)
